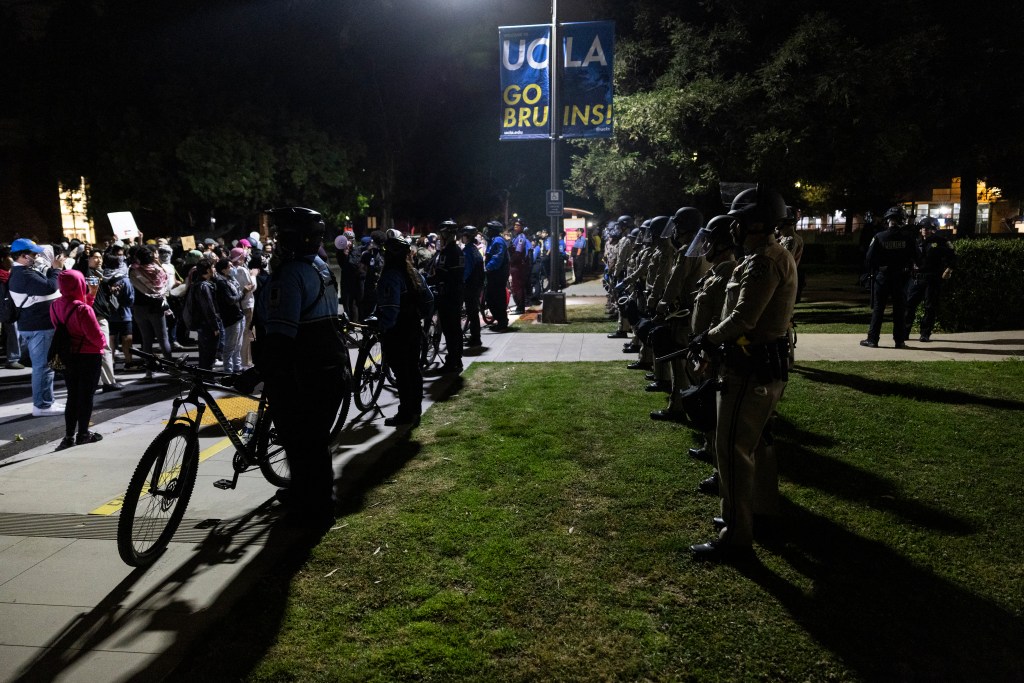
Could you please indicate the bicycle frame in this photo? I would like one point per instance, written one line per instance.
(200, 397)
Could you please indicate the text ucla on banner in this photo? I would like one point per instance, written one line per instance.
(525, 84)
(585, 90)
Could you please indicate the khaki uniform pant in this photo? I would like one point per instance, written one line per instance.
(747, 469)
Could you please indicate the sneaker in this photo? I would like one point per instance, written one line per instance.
(112, 387)
(868, 343)
(66, 442)
(15, 365)
(53, 409)
(88, 437)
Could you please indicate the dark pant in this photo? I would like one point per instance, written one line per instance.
(449, 315)
(496, 300)
(926, 288)
(888, 285)
(81, 377)
(152, 327)
(303, 410)
(472, 299)
(402, 353)
(207, 347)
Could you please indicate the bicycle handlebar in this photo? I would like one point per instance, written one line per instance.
(182, 370)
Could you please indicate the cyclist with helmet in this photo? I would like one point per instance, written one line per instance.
(937, 260)
(404, 301)
(496, 266)
(301, 357)
(473, 283)
(449, 271)
(891, 255)
(758, 306)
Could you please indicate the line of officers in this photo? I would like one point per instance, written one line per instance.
(908, 272)
(710, 308)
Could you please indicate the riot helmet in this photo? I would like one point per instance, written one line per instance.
(758, 205)
(494, 228)
(713, 238)
(468, 231)
(635, 234)
(660, 228)
(897, 214)
(625, 223)
(686, 221)
(447, 229)
(928, 223)
(299, 231)
(645, 232)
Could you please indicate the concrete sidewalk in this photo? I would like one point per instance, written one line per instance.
(71, 611)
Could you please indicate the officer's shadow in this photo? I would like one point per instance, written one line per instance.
(883, 615)
(918, 392)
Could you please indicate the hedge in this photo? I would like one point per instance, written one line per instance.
(986, 291)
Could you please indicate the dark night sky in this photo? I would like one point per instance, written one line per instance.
(417, 77)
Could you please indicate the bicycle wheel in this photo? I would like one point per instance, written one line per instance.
(343, 407)
(432, 340)
(270, 452)
(157, 495)
(368, 378)
(485, 312)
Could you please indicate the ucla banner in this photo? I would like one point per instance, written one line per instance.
(525, 81)
(585, 89)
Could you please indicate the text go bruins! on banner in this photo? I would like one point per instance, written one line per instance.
(586, 80)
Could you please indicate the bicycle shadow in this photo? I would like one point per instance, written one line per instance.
(124, 614)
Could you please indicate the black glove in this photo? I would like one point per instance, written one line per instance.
(700, 343)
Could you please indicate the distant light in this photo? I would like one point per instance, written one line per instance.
(797, 184)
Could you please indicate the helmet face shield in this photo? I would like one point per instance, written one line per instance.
(701, 245)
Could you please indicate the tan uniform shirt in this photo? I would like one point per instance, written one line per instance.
(682, 283)
(759, 297)
(710, 299)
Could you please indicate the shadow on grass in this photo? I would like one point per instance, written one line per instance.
(884, 616)
(801, 465)
(879, 387)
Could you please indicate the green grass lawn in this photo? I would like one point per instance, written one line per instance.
(536, 528)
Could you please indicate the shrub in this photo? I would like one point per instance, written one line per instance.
(986, 291)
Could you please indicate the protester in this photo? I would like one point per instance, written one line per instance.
(82, 370)
(33, 292)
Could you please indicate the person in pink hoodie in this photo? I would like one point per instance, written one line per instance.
(82, 376)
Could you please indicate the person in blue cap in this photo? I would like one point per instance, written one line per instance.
(33, 292)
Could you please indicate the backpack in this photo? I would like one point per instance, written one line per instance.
(8, 311)
(189, 314)
(59, 355)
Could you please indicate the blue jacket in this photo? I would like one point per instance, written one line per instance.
(497, 255)
(32, 292)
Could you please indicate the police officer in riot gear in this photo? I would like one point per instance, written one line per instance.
(759, 303)
(449, 271)
(890, 257)
(496, 267)
(937, 260)
(302, 359)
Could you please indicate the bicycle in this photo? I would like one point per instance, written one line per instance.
(370, 371)
(161, 486)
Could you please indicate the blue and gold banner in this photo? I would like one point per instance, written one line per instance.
(585, 88)
(525, 81)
